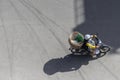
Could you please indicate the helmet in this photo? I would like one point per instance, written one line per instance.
(87, 36)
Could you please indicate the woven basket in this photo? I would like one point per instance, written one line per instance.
(72, 40)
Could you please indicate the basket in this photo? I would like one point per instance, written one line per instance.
(76, 40)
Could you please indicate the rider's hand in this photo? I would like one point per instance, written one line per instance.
(97, 46)
(94, 36)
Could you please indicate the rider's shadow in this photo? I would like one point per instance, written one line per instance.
(68, 63)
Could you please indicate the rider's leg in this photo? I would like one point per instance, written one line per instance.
(93, 53)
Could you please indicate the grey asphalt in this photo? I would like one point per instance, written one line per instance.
(34, 40)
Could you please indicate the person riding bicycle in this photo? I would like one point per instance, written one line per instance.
(91, 45)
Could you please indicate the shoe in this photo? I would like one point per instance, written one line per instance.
(94, 56)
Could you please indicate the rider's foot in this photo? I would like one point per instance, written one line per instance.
(94, 56)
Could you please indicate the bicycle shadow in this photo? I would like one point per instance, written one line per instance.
(68, 63)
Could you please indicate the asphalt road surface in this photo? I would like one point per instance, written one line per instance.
(34, 46)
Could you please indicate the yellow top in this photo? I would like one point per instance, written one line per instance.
(90, 46)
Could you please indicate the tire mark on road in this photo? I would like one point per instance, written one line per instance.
(45, 24)
(10, 54)
(108, 70)
(44, 16)
(32, 31)
(29, 28)
(81, 74)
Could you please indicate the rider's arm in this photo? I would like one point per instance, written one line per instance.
(90, 46)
